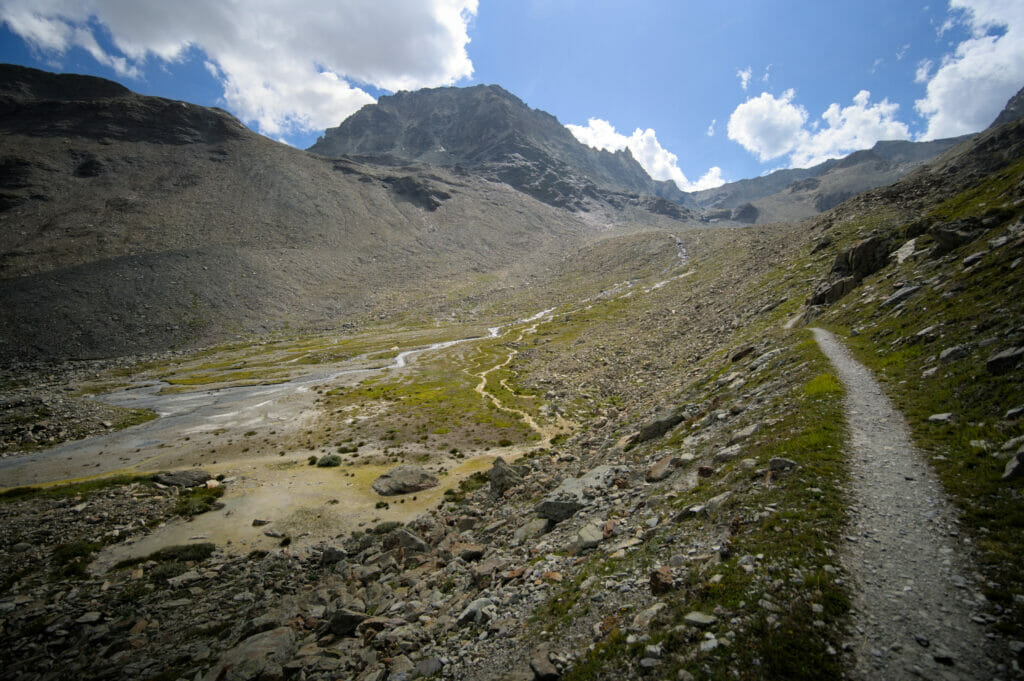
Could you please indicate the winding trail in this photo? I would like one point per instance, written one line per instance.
(916, 611)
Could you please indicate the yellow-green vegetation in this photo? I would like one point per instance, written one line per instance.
(976, 312)
(192, 502)
(435, 395)
(180, 553)
(83, 489)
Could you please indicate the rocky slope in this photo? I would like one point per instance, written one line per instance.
(132, 224)
(799, 193)
(692, 526)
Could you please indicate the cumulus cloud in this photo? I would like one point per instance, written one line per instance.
(660, 163)
(768, 126)
(744, 76)
(771, 127)
(971, 85)
(285, 66)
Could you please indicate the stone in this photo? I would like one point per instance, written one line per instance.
(503, 477)
(741, 353)
(828, 292)
(589, 536)
(534, 528)
(1014, 413)
(950, 235)
(261, 656)
(727, 454)
(662, 580)
(89, 618)
(660, 470)
(744, 433)
(644, 618)
(658, 427)
(705, 471)
(570, 495)
(468, 552)
(540, 663)
(862, 258)
(955, 352)
(257, 522)
(701, 620)
(1004, 361)
(343, 622)
(902, 294)
(192, 477)
(1014, 467)
(407, 540)
(944, 417)
(404, 480)
(429, 666)
(905, 251)
(479, 611)
(974, 258)
(779, 463)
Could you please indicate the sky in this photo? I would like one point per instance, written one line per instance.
(699, 92)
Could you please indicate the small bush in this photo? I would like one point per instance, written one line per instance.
(329, 461)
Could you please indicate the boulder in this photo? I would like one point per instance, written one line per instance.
(343, 622)
(404, 480)
(262, 656)
(950, 235)
(589, 536)
(661, 580)
(503, 477)
(571, 495)
(661, 470)
(863, 258)
(902, 294)
(828, 292)
(540, 663)
(658, 427)
(1014, 467)
(1004, 361)
(192, 477)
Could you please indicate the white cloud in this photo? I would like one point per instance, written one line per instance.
(903, 52)
(711, 128)
(744, 76)
(285, 66)
(660, 163)
(850, 128)
(972, 85)
(766, 125)
(924, 71)
(771, 127)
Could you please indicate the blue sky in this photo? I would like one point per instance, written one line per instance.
(699, 92)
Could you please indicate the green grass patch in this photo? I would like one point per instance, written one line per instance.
(192, 502)
(73, 490)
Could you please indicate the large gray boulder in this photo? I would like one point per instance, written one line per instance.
(571, 495)
(404, 480)
(503, 477)
(262, 656)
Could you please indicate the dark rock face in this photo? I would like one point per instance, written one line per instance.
(851, 265)
(38, 103)
(1013, 111)
(489, 130)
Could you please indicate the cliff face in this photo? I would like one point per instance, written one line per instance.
(489, 131)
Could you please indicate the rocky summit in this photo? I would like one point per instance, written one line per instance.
(425, 404)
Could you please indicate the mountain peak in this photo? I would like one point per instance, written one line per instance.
(490, 130)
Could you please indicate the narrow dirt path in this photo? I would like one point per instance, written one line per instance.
(547, 433)
(914, 595)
